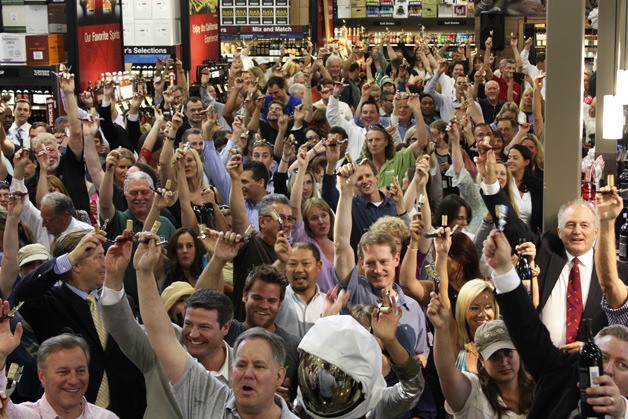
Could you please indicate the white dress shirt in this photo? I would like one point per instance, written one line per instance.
(554, 313)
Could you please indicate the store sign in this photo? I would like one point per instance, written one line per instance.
(286, 29)
(204, 36)
(99, 41)
(387, 23)
(148, 55)
(9, 72)
(451, 23)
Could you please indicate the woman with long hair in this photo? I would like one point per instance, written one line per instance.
(185, 253)
(528, 194)
(502, 386)
(511, 110)
(532, 143)
(379, 146)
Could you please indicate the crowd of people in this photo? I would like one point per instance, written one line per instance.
(336, 239)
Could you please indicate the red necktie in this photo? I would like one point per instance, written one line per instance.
(574, 303)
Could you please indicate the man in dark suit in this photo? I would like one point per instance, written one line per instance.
(114, 382)
(555, 372)
(556, 254)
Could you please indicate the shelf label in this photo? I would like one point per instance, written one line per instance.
(41, 72)
(387, 23)
(451, 22)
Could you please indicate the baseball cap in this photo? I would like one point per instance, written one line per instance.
(492, 336)
(32, 252)
(174, 292)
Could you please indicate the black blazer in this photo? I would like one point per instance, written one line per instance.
(53, 310)
(555, 372)
(551, 257)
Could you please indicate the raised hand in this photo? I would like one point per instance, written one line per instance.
(148, 253)
(86, 247)
(228, 245)
(347, 177)
(385, 324)
(234, 166)
(438, 312)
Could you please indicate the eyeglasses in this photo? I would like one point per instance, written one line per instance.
(284, 218)
(223, 207)
(48, 221)
(377, 127)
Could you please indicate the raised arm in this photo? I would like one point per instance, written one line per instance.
(105, 194)
(151, 138)
(456, 387)
(75, 144)
(171, 354)
(240, 221)
(296, 196)
(167, 151)
(188, 218)
(344, 259)
(537, 105)
(414, 102)
(163, 199)
(228, 244)
(92, 160)
(609, 206)
(11, 244)
(487, 58)
(417, 289)
(514, 41)
(442, 245)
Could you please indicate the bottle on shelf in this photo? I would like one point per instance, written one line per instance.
(589, 367)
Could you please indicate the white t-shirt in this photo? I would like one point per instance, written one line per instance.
(477, 405)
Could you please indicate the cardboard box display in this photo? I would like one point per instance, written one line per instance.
(358, 12)
(45, 49)
(128, 33)
(167, 9)
(14, 19)
(344, 12)
(128, 14)
(57, 21)
(144, 33)
(167, 32)
(37, 22)
(13, 48)
(445, 10)
(143, 9)
(429, 10)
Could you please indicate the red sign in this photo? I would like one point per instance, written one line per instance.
(99, 51)
(204, 42)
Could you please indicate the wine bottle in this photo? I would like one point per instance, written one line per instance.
(623, 240)
(524, 271)
(589, 367)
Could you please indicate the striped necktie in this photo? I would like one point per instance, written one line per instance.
(102, 399)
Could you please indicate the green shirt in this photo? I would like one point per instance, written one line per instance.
(397, 166)
(117, 226)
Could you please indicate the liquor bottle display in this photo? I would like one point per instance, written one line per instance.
(589, 367)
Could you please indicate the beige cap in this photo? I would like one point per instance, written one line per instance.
(32, 252)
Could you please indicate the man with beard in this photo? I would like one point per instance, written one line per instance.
(269, 126)
(304, 301)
